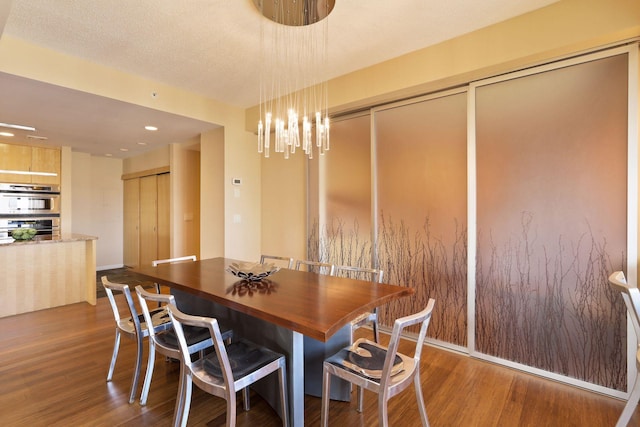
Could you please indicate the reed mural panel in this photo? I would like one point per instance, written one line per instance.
(551, 220)
(409, 258)
(550, 186)
(421, 170)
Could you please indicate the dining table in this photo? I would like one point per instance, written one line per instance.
(286, 311)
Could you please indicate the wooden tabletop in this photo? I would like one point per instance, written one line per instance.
(315, 305)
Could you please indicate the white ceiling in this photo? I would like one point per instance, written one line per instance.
(210, 47)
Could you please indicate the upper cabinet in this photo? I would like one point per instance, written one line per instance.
(30, 165)
(15, 158)
(46, 160)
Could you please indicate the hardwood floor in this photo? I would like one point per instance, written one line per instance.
(53, 366)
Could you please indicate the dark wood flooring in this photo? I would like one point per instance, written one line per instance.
(53, 365)
(119, 275)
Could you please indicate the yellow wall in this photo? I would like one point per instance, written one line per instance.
(34, 62)
(242, 240)
(212, 193)
(284, 195)
(185, 198)
(563, 28)
(157, 158)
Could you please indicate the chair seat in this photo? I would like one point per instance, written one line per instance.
(366, 358)
(159, 316)
(244, 357)
(193, 335)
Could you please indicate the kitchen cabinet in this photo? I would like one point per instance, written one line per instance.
(48, 271)
(146, 219)
(45, 160)
(20, 161)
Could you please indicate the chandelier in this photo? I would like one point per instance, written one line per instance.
(293, 88)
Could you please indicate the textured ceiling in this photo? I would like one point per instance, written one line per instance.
(211, 47)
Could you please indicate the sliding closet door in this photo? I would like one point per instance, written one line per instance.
(551, 168)
(340, 196)
(421, 193)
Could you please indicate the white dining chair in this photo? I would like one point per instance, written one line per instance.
(631, 297)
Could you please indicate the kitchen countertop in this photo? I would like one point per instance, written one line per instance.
(65, 237)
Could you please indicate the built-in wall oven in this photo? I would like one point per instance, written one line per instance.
(43, 226)
(28, 199)
(29, 205)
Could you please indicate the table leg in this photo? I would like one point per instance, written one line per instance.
(315, 352)
(296, 379)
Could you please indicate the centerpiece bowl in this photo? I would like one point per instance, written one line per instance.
(252, 272)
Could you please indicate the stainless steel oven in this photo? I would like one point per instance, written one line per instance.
(29, 206)
(28, 199)
(43, 226)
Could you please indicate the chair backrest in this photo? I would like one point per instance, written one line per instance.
(110, 288)
(178, 259)
(400, 325)
(180, 320)
(315, 267)
(143, 297)
(278, 260)
(630, 295)
(360, 273)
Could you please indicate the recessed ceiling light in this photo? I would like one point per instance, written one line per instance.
(142, 143)
(42, 138)
(151, 128)
(6, 134)
(124, 149)
(108, 154)
(21, 127)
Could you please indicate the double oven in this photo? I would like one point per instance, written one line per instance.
(29, 206)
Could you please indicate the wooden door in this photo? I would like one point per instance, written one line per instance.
(164, 196)
(131, 238)
(148, 219)
(15, 158)
(45, 160)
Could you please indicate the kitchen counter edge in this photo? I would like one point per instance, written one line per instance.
(47, 239)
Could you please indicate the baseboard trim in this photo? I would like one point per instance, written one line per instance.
(109, 267)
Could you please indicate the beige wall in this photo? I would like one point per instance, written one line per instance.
(212, 236)
(66, 189)
(97, 206)
(185, 198)
(284, 190)
(562, 28)
(242, 239)
(34, 62)
(160, 157)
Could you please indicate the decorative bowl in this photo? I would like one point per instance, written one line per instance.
(252, 272)
(23, 233)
